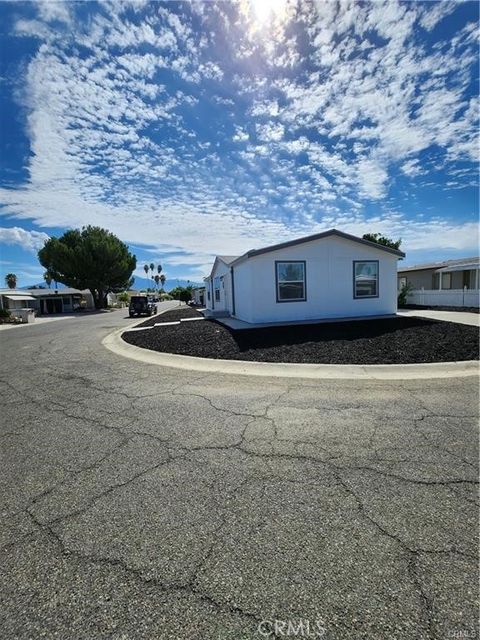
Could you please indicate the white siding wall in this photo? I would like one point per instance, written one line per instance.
(208, 289)
(225, 302)
(243, 283)
(329, 283)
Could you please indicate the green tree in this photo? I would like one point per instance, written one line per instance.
(47, 276)
(182, 293)
(403, 294)
(162, 280)
(379, 239)
(90, 258)
(145, 268)
(157, 279)
(152, 267)
(159, 269)
(11, 280)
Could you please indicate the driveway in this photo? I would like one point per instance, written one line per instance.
(142, 502)
(461, 317)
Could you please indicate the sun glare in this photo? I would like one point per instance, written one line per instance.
(265, 10)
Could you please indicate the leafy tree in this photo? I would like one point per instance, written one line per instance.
(379, 239)
(90, 258)
(162, 280)
(48, 278)
(11, 280)
(182, 293)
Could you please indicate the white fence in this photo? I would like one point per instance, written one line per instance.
(445, 297)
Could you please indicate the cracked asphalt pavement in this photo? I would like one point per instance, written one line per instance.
(141, 502)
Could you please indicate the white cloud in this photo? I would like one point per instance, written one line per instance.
(50, 10)
(272, 132)
(240, 135)
(28, 240)
(115, 137)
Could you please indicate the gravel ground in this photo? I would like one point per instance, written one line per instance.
(389, 341)
(171, 316)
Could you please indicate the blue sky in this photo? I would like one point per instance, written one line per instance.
(191, 129)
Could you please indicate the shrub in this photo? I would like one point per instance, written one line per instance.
(165, 296)
(4, 313)
(403, 293)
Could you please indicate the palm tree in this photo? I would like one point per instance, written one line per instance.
(159, 269)
(162, 279)
(48, 278)
(157, 279)
(11, 280)
(152, 267)
(145, 268)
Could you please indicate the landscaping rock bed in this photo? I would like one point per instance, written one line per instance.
(389, 341)
(172, 316)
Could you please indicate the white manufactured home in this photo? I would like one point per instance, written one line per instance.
(326, 275)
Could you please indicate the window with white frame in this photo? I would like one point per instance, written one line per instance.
(216, 286)
(365, 275)
(290, 277)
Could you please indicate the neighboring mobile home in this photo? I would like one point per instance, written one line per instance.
(46, 301)
(326, 275)
(453, 283)
(198, 296)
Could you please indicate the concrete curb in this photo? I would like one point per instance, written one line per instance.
(114, 343)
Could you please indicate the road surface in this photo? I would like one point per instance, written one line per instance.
(141, 502)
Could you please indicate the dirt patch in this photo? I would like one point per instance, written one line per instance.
(388, 341)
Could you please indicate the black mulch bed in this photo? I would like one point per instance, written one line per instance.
(172, 316)
(389, 341)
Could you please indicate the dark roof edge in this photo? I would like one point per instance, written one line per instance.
(427, 266)
(318, 236)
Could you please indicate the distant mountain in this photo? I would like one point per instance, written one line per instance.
(139, 283)
(42, 285)
(144, 283)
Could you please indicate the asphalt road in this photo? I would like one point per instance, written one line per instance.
(148, 503)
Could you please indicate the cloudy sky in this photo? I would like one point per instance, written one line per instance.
(195, 128)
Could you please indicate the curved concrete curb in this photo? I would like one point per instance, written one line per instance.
(114, 343)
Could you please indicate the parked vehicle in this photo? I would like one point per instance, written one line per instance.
(141, 305)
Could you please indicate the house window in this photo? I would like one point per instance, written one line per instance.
(216, 286)
(402, 282)
(469, 279)
(365, 275)
(291, 281)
